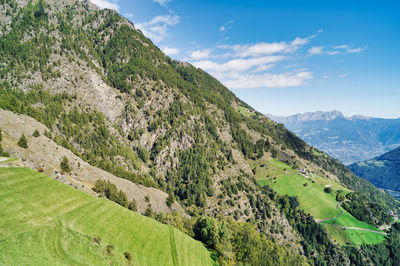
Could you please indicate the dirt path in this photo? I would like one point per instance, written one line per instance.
(337, 216)
(349, 228)
(386, 227)
(330, 183)
(357, 228)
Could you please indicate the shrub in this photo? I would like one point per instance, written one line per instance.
(147, 198)
(327, 190)
(149, 211)
(65, 167)
(110, 249)
(97, 240)
(128, 256)
(132, 205)
(23, 142)
(170, 199)
(36, 133)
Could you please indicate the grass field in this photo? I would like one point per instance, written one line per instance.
(44, 222)
(244, 111)
(310, 193)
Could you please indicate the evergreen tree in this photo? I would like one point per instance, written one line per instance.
(23, 142)
(36, 133)
(170, 199)
(65, 167)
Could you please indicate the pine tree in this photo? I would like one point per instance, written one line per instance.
(36, 133)
(170, 200)
(65, 167)
(23, 142)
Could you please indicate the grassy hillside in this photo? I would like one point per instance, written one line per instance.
(314, 200)
(44, 222)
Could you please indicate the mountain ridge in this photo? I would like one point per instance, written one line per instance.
(349, 139)
(382, 171)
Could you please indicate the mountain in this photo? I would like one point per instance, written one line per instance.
(382, 171)
(88, 100)
(349, 139)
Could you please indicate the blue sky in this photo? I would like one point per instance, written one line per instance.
(284, 57)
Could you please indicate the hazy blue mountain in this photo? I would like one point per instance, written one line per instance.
(382, 171)
(349, 139)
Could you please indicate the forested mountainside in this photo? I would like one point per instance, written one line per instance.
(349, 139)
(382, 171)
(102, 90)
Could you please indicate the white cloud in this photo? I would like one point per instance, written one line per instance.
(156, 29)
(129, 15)
(247, 65)
(343, 76)
(264, 48)
(200, 54)
(334, 50)
(106, 4)
(162, 2)
(267, 80)
(170, 51)
(348, 50)
(237, 65)
(227, 26)
(316, 50)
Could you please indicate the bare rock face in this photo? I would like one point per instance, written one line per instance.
(44, 153)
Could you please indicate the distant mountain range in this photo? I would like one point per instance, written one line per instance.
(382, 171)
(349, 139)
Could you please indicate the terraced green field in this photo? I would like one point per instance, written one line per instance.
(44, 222)
(310, 193)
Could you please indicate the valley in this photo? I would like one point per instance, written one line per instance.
(348, 139)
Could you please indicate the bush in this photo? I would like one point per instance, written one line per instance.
(23, 142)
(149, 211)
(132, 205)
(110, 249)
(170, 199)
(36, 133)
(128, 256)
(327, 190)
(65, 167)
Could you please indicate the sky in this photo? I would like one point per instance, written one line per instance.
(284, 57)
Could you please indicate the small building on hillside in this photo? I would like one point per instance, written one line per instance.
(303, 171)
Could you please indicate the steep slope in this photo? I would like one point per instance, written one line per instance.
(382, 171)
(43, 153)
(69, 227)
(112, 98)
(349, 139)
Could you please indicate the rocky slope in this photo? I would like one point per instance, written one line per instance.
(44, 153)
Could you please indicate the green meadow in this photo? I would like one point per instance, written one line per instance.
(321, 205)
(44, 222)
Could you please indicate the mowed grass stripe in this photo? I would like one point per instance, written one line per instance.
(174, 253)
(44, 222)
